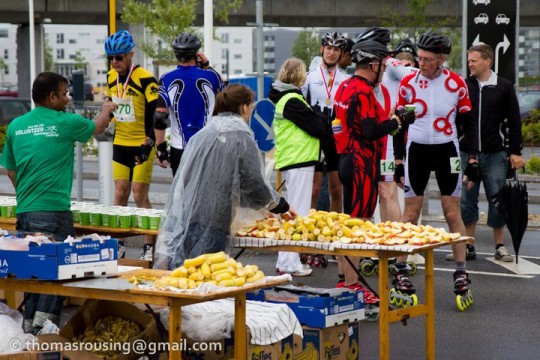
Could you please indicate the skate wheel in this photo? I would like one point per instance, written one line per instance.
(392, 296)
(367, 268)
(414, 300)
(414, 268)
(460, 302)
(399, 301)
(303, 258)
(324, 262)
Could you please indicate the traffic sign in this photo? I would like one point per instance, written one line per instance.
(494, 22)
(261, 124)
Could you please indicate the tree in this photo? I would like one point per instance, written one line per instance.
(80, 61)
(48, 55)
(307, 46)
(3, 67)
(166, 19)
(414, 23)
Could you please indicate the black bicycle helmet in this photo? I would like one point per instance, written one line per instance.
(375, 33)
(349, 46)
(438, 44)
(186, 44)
(118, 43)
(370, 50)
(334, 39)
(406, 45)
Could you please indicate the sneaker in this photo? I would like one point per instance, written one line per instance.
(469, 255)
(304, 271)
(502, 254)
(121, 249)
(147, 253)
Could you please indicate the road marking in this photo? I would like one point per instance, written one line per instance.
(485, 273)
(522, 267)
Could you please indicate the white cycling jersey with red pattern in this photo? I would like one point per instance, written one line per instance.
(437, 103)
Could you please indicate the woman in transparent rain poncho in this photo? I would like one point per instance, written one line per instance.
(220, 172)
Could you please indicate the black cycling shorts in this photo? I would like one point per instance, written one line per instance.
(422, 159)
(331, 157)
(176, 156)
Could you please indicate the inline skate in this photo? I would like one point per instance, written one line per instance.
(403, 292)
(314, 259)
(464, 297)
(369, 266)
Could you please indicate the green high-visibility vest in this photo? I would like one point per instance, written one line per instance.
(293, 145)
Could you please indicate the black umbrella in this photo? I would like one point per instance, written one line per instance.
(512, 201)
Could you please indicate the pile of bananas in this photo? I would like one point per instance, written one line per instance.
(218, 269)
(339, 227)
(110, 330)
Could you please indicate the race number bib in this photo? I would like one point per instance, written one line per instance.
(125, 112)
(387, 167)
(455, 165)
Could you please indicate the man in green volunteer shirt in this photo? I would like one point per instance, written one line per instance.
(38, 154)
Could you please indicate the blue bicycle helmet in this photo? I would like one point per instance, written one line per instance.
(118, 43)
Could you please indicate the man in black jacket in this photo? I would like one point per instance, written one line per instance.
(494, 101)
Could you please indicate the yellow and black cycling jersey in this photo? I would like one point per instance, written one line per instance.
(136, 101)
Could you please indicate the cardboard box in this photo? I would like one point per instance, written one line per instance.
(224, 350)
(93, 310)
(319, 307)
(59, 261)
(334, 343)
(59, 342)
(33, 355)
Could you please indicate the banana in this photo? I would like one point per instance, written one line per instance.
(353, 222)
(258, 276)
(180, 272)
(205, 270)
(216, 258)
(195, 261)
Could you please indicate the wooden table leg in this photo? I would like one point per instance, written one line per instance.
(430, 306)
(384, 319)
(11, 298)
(175, 330)
(240, 332)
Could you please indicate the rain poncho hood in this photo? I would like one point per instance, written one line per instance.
(221, 171)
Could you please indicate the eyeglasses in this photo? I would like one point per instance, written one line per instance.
(425, 59)
(116, 57)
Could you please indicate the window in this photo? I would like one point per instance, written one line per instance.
(59, 38)
(224, 53)
(6, 54)
(4, 33)
(72, 56)
(225, 38)
(72, 41)
(59, 53)
(6, 70)
(237, 41)
(237, 56)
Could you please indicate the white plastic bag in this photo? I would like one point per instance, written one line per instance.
(13, 338)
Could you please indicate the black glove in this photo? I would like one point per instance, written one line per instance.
(399, 172)
(406, 116)
(144, 152)
(471, 172)
(162, 152)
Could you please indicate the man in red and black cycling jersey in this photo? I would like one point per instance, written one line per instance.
(360, 125)
(443, 109)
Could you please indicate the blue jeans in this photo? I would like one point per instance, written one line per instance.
(58, 224)
(492, 168)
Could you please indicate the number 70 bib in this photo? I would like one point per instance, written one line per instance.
(125, 111)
